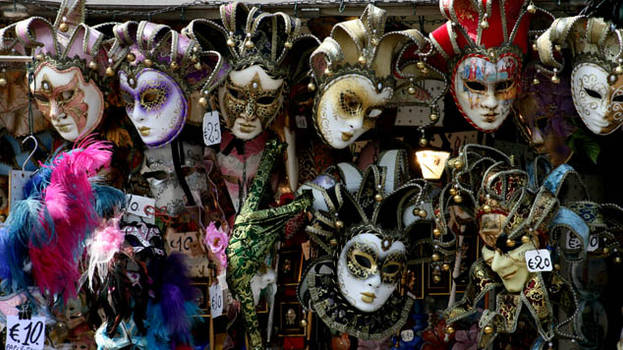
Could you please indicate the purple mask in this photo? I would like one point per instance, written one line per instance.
(156, 105)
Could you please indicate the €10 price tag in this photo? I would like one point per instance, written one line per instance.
(538, 260)
(216, 300)
(25, 334)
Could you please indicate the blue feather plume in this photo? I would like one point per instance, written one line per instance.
(107, 198)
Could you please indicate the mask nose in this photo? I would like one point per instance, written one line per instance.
(500, 262)
(374, 281)
(135, 114)
(55, 112)
(249, 112)
(355, 123)
(489, 100)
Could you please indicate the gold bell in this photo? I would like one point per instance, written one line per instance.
(525, 239)
(328, 72)
(534, 47)
(249, 44)
(64, 27)
(288, 45)
(174, 65)
(339, 224)
(423, 141)
(422, 213)
(148, 62)
(436, 232)
(420, 65)
(436, 279)
(488, 330)
(3, 82)
(486, 208)
(110, 72)
(457, 198)
(203, 101)
(555, 79)
(452, 191)
(130, 57)
(436, 257)
(424, 70)
(433, 117)
(411, 90)
(230, 42)
(378, 197)
(531, 8)
(536, 81)
(458, 164)
(617, 260)
(311, 87)
(557, 267)
(303, 323)
(449, 329)
(194, 59)
(39, 57)
(93, 65)
(445, 267)
(618, 70)
(198, 66)
(606, 250)
(333, 242)
(510, 243)
(362, 60)
(484, 24)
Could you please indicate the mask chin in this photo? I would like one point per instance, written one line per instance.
(598, 97)
(249, 101)
(347, 108)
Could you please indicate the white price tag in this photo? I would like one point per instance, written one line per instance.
(141, 206)
(538, 260)
(211, 128)
(216, 300)
(17, 181)
(186, 243)
(573, 242)
(407, 335)
(301, 122)
(25, 334)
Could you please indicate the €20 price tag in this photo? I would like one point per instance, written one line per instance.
(538, 260)
(573, 242)
(216, 300)
(25, 334)
(211, 128)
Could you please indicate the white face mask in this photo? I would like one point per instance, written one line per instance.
(73, 106)
(347, 108)
(485, 91)
(510, 266)
(249, 101)
(367, 274)
(599, 104)
(155, 104)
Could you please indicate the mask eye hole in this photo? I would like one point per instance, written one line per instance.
(391, 268)
(234, 93)
(592, 93)
(503, 85)
(476, 86)
(618, 98)
(42, 99)
(266, 100)
(349, 103)
(363, 260)
(152, 98)
(67, 95)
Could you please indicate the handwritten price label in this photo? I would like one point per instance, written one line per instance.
(25, 334)
(211, 128)
(183, 242)
(141, 206)
(538, 260)
(574, 242)
(216, 300)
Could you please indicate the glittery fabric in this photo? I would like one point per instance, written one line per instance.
(255, 232)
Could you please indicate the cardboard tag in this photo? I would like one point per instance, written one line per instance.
(182, 242)
(211, 128)
(301, 122)
(538, 260)
(17, 181)
(407, 335)
(25, 334)
(574, 242)
(141, 206)
(216, 300)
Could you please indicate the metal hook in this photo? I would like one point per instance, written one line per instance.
(342, 7)
(296, 9)
(32, 153)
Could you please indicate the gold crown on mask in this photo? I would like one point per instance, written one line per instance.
(66, 43)
(361, 46)
(588, 40)
(274, 41)
(139, 45)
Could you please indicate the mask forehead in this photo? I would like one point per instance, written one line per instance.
(347, 108)
(242, 78)
(74, 106)
(382, 248)
(484, 89)
(155, 104)
(598, 97)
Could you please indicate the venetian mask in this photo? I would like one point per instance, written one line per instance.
(249, 101)
(485, 90)
(165, 187)
(348, 107)
(74, 106)
(598, 97)
(369, 270)
(155, 104)
(510, 266)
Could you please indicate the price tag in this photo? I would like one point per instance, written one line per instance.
(407, 335)
(593, 243)
(216, 300)
(301, 122)
(211, 128)
(538, 260)
(25, 334)
(17, 181)
(141, 206)
(182, 242)
(573, 242)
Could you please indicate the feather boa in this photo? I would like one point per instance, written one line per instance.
(49, 227)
